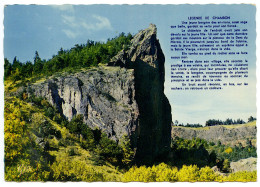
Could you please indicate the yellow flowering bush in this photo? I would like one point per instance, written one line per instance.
(190, 173)
(207, 174)
(25, 172)
(164, 172)
(242, 176)
(14, 129)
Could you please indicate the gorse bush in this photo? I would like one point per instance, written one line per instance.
(192, 173)
(242, 176)
(24, 171)
(24, 160)
(15, 132)
(188, 173)
(66, 170)
(159, 173)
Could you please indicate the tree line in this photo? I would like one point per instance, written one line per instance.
(83, 55)
(215, 122)
(229, 121)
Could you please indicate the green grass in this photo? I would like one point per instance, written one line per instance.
(253, 123)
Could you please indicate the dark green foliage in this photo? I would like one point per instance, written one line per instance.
(212, 158)
(27, 69)
(251, 118)
(200, 152)
(72, 152)
(36, 100)
(7, 68)
(191, 125)
(103, 149)
(77, 126)
(16, 64)
(50, 112)
(45, 130)
(191, 152)
(238, 152)
(38, 64)
(16, 70)
(83, 55)
(108, 150)
(225, 166)
(214, 122)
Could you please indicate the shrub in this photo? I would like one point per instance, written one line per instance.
(192, 173)
(242, 176)
(164, 172)
(75, 170)
(72, 151)
(141, 174)
(188, 173)
(207, 174)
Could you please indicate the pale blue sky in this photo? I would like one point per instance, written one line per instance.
(48, 28)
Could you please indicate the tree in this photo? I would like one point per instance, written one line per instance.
(7, 68)
(75, 123)
(38, 65)
(16, 64)
(61, 51)
(128, 153)
(251, 118)
(108, 150)
(27, 69)
(16, 75)
(228, 122)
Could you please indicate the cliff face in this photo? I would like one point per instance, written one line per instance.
(124, 98)
(226, 135)
(104, 96)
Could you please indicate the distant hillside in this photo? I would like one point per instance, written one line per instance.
(226, 134)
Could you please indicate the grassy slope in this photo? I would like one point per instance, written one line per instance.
(253, 123)
(61, 149)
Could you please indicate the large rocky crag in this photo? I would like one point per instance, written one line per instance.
(124, 98)
(225, 134)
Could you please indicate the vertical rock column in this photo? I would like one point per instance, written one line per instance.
(153, 134)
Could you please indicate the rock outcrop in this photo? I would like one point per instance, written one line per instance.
(105, 96)
(248, 164)
(124, 98)
(226, 135)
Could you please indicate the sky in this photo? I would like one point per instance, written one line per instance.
(28, 28)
